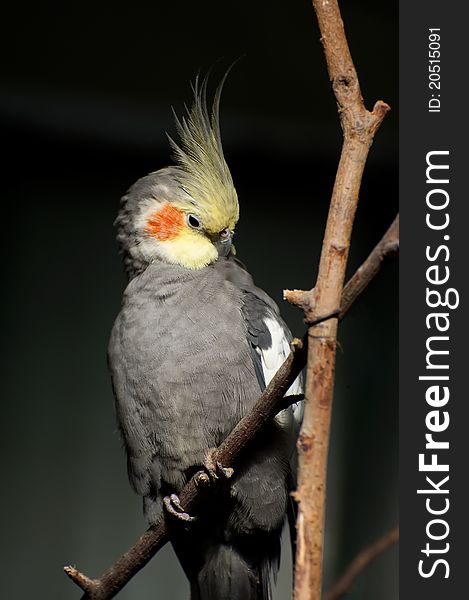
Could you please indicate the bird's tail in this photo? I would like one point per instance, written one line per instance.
(225, 575)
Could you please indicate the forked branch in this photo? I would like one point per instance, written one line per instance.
(359, 126)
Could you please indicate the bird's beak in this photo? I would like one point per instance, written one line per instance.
(222, 241)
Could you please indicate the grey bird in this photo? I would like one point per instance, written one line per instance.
(191, 350)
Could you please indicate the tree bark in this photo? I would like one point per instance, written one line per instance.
(359, 127)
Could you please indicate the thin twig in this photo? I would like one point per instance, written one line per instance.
(386, 248)
(269, 403)
(359, 126)
(360, 562)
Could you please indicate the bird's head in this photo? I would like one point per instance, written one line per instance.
(184, 214)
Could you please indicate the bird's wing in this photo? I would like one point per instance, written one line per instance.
(270, 342)
(268, 335)
(270, 338)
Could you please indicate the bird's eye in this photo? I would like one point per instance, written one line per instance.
(194, 222)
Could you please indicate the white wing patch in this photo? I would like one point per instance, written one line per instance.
(272, 359)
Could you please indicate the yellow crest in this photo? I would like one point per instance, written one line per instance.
(203, 172)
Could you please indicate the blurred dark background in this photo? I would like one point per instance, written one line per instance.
(85, 99)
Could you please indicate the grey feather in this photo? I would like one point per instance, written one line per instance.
(203, 171)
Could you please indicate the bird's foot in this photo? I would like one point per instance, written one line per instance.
(214, 467)
(174, 508)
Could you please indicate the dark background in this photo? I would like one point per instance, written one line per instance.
(85, 98)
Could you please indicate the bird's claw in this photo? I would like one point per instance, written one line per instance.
(174, 508)
(214, 467)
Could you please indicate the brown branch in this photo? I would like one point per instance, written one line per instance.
(359, 127)
(360, 562)
(269, 403)
(386, 248)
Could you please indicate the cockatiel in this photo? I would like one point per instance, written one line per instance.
(191, 350)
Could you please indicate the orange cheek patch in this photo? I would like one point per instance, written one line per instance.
(166, 223)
